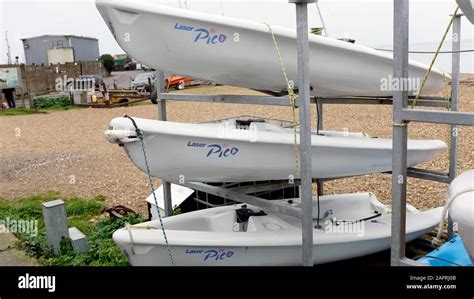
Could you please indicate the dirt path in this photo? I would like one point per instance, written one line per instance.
(67, 151)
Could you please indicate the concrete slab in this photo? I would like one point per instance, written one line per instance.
(10, 255)
(7, 240)
(15, 257)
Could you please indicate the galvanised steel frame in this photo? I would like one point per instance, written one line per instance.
(401, 115)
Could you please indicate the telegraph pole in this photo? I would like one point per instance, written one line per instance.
(9, 55)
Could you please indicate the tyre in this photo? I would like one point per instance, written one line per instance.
(154, 97)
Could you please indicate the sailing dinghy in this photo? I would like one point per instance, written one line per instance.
(461, 207)
(246, 150)
(241, 53)
(351, 225)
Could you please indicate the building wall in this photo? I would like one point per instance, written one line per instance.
(85, 49)
(37, 52)
(41, 79)
(61, 55)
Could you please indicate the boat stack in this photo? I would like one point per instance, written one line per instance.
(345, 226)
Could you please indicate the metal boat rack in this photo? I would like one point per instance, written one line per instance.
(401, 116)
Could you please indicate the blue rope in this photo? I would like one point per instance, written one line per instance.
(150, 182)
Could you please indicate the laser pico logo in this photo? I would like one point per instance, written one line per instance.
(212, 254)
(216, 150)
(209, 36)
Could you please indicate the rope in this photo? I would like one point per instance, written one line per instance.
(150, 182)
(292, 96)
(437, 240)
(435, 56)
(322, 19)
(404, 124)
(132, 244)
(429, 52)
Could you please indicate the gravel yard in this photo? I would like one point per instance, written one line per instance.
(66, 151)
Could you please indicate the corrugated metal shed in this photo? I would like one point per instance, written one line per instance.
(36, 48)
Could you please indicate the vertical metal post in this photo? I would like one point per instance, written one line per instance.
(320, 115)
(399, 146)
(162, 116)
(320, 125)
(455, 69)
(305, 128)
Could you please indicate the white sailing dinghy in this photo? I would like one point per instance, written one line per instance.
(352, 225)
(238, 52)
(461, 207)
(234, 151)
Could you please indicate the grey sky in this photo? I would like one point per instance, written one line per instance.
(369, 22)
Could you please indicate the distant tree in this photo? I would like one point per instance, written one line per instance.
(108, 62)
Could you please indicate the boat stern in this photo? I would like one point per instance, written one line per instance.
(421, 151)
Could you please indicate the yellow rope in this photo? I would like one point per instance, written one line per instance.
(292, 96)
(434, 58)
(142, 226)
(447, 94)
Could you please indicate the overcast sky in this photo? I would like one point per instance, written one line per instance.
(369, 22)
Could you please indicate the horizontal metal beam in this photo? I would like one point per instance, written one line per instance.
(430, 98)
(428, 175)
(233, 99)
(208, 203)
(377, 101)
(263, 187)
(265, 204)
(423, 101)
(439, 117)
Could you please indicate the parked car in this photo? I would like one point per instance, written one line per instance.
(177, 82)
(142, 81)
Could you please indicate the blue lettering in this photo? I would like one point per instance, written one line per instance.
(226, 153)
(221, 152)
(210, 254)
(195, 144)
(203, 34)
(193, 251)
(217, 255)
(214, 149)
(183, 27)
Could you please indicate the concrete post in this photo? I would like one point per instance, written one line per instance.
(55, 221)
(78, 240)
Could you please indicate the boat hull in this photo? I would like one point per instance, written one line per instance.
(220, 153)
(208, 238)
(237, 52)
(461, 210)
